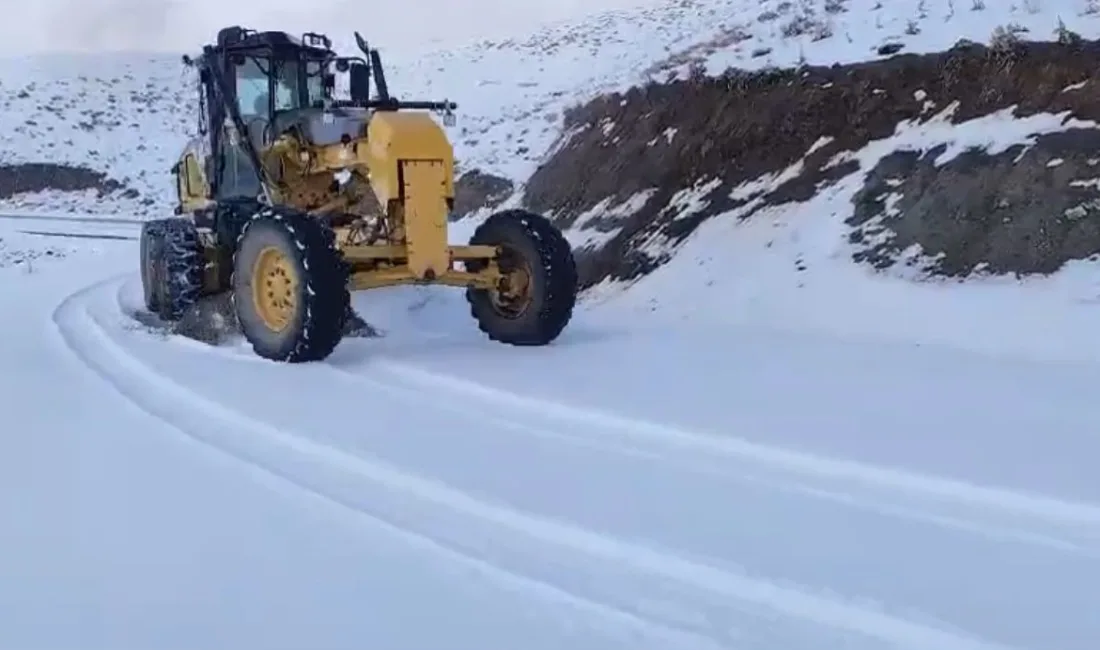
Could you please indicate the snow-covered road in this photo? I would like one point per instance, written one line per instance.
(689, 488)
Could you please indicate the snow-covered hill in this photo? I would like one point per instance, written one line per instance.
(127, 115)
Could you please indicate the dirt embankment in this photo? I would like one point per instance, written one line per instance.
(1023, 211)
(476, 190)
(39, 177)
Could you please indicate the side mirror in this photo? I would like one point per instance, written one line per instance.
(359, 83)
(361, 43)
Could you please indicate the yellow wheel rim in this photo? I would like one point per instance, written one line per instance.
(274, 288)
(513, 295)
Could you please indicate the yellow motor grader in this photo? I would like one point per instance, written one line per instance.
(290, 197)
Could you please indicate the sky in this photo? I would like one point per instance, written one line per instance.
(40, 26)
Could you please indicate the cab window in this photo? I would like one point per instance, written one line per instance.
(286, 86)
(251, 90)
(314, 82)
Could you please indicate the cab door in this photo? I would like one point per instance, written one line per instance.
(192, 187)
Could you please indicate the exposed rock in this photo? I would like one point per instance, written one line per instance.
(476, 189)
(38, 177)
(718, 134)
(1015, 212)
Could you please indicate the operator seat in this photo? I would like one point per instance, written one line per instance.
(259, 128)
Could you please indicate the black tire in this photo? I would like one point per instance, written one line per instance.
(172, 267)
(322, 300)
(151, 245)
(530, 239)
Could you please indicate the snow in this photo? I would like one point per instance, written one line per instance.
(760, 445)
(51, 26)
(618, 489)
(789, 266)
(585, 234)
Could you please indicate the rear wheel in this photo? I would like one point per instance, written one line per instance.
(290, 286)
(171, 266)
(151, 245)
(534, 300)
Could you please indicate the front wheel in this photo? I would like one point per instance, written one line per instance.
(290, 286)
(534, 300)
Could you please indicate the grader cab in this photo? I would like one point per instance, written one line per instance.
(290, 197)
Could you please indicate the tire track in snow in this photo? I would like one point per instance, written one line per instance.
(243, 439)
(460, 523)
(745, 473)
(407, 383)
(615, 428)
(73, 219)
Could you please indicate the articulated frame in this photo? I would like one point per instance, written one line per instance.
(374, 278)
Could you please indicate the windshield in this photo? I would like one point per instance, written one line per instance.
(252, 88)
(288, 85)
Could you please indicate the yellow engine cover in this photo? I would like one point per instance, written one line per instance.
(393, 137)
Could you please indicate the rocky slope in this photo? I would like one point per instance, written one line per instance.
(638, 171)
